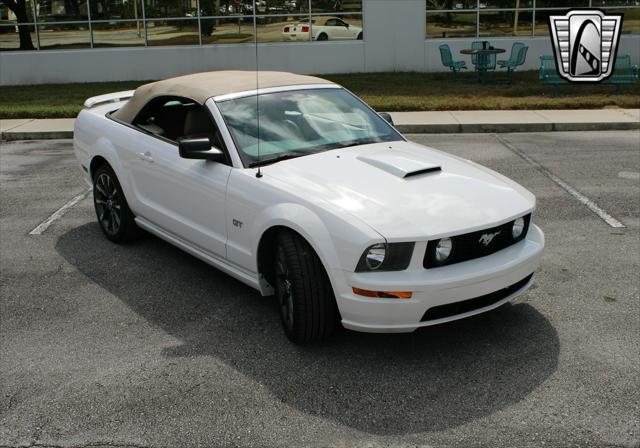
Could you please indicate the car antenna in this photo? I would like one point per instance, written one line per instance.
(255, 41)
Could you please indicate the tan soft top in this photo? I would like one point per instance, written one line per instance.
(202, 86)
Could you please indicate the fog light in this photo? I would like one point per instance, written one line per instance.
(375, 256)
(443, 250)
(518, 228)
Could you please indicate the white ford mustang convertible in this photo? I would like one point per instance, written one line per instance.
(302, 191)
(322, 28)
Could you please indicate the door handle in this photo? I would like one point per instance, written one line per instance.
(146, 156)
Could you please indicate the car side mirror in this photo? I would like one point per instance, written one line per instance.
(200, 149)
(387, 117)
(347, 25)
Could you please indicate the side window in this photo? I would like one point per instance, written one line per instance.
(174, 118)
(332, 22)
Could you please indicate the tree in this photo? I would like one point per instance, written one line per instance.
(100, 9)
(72, 8)
(19, 8)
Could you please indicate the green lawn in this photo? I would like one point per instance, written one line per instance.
(383, 91)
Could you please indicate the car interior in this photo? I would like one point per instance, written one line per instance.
(178, 118)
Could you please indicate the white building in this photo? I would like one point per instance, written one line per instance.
(109, 40)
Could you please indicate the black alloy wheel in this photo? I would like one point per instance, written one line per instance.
(114, 216)
(108, 207)
(305, 296)
(284, 290)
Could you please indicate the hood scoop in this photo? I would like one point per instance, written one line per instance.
(399, 163)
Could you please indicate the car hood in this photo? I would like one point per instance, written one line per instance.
(405, 191)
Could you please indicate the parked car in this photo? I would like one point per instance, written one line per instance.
(261, 6)
(320, 201)
(322, 29)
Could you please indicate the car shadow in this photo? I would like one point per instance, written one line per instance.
(436, 378)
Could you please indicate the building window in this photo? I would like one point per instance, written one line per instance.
(447, 24)
(505, 23)
(503, 18)
(69, 24)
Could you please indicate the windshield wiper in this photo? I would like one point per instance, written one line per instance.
(280, 158)
(317, 149)
(338, 145)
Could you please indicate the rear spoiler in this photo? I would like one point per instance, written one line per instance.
(108, 98)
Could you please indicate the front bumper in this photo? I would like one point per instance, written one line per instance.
(479, 279)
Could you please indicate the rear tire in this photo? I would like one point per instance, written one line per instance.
(323, 37)
(307, 304)
(114, 216)
(360, 36)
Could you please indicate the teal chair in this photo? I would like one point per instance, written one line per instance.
(513, 58)
(447, 60)
(476, 45)
(517, 58)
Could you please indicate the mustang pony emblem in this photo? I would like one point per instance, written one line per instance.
(486, 238)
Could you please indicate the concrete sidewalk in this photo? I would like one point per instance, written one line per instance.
(411, 122)
(516, 120)
(30, 129)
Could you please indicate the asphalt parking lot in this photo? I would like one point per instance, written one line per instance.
(144, 346)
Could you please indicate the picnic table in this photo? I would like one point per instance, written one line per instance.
(484, 60)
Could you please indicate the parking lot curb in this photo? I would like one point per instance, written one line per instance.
(513, 127)
(44, 135)
(623, 126)
(412, 128)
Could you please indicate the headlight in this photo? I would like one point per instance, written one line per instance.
(517, 228)
(374, 256)
(443, 250)
(386, 257)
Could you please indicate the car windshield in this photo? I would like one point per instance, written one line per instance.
(301, 122)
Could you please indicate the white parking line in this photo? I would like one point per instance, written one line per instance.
(595, 208)
(44, 225)
(631, 175)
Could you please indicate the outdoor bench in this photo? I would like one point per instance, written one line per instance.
(624, 73)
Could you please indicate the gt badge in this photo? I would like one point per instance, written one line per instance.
(486, 238)
(585, 42)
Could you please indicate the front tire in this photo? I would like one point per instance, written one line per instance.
(307, 305)
(113, 213)
(360, 36)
